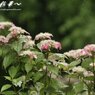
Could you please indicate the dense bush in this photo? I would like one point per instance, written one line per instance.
(34, 67)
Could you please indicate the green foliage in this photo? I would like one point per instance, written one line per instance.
(40, 70)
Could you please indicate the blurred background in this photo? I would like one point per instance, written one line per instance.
(72, 22)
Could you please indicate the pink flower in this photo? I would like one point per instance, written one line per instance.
(45, 47)
(43, 36)
(76, 53)
(29, 53)
(57, 45)
(15, 31)
(3, 40)
(48, 44)
(3, 25)
(90, 48)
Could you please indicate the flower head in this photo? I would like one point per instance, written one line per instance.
(48, 44)
(3, 40)
(90, 48)
(29, 53)
(45, 47)
(3, 25)
(43, 36)
(29, 44)
(76, 53)
(78, 69)
(57, 45)
(92, 64)
(88, 74)
(15, 31)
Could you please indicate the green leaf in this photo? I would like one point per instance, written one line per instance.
(79, 87)
(74, 63)
(37, 76)
(23, 93)
(33, 93)
(12, 71)
(8, 60)
(8, 78)
(5, 87)
(28, 67)
(8, 93)
(39, 86)
(17, 46)
(53, 69)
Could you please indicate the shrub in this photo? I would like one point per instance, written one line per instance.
(35, 67)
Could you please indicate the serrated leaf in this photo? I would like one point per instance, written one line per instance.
(5, 87)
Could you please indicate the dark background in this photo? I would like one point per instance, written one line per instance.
(72, 22)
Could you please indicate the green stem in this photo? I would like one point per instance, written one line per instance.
(89, 90)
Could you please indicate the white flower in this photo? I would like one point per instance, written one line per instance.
(19, 83)
(3, 39)
(28, 53)
(29, 44)
(88, 74)
(43, 36)
(92, 64)
(3, 25)
(78, 69)
(76, 53)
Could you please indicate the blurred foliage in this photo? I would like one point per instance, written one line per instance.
(71, 21)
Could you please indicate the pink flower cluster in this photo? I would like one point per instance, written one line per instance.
(15, 31)
(88, 50)
(29, 44)
(3, 25)
(3, 40)
(48, 44)
(29, 53)
(43, 36)
(76, 53)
